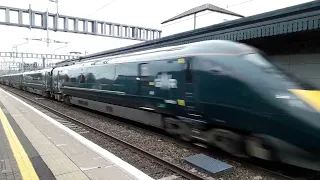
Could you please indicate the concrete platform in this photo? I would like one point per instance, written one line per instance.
(34, 146)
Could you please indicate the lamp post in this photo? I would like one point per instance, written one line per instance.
(16, 47)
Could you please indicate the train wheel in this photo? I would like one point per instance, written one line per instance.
(66, 100)
(185, 137)
(259, 148)
(229, 141)
(177, 129)
(45, 94)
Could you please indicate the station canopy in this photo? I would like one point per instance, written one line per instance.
(205, 7)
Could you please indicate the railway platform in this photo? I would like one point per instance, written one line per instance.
(35, 146)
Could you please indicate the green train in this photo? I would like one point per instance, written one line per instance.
(223, 93)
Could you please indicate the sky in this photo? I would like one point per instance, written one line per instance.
(145, 13)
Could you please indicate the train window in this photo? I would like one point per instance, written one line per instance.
(188, 72)
(208, 65)
(35, 78)
(82, 79)
(127, 69)
(144, 70)
(66, 78)
(73, 80)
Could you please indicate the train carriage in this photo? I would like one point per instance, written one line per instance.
(223, 93)
(204, 91)
(6, 80)
(16, 80)
(1, 80)
(38, 82)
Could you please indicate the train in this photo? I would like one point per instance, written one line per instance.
(222, 93)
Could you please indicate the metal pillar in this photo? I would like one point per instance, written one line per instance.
(43, 62)
(194, 20)
(57, 13)
(47, 26)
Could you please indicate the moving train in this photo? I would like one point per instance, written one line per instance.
(223, 93)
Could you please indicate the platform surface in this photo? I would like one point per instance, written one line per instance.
(34, 146)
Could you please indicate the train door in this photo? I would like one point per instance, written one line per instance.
(193, 108)
(58, 81)
(20, 81)
(154, 85)
(82, 78)
(144, 87)
(45, 80)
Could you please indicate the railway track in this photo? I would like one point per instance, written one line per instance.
(176, 169)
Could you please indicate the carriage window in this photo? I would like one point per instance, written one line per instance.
(129, 69)
(188, 72)
(209, 66)
(82, 79)
(36, 76)
(74, 80)
(144, 70)
(66, 78)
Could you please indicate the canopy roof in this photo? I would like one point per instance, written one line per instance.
(205, 7)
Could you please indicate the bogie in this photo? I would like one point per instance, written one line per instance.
(258, 147)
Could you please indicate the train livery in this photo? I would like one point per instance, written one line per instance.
(223, 93)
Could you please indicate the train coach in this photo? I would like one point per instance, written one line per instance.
(16, 80)
(38, 82)
(5, 80)
(223, 93)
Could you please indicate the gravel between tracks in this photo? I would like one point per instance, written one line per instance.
(163, 148)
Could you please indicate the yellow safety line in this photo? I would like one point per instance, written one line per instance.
(25, 166)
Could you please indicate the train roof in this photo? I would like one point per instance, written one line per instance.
(212, 47)
(28, 72)
(38, 71)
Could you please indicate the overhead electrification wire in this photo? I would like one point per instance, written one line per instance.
(244, 2)
(205, 14)
(101, 7)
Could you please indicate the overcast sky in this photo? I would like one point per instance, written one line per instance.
(146, 13)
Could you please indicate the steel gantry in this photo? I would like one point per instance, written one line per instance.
(12, 66)
(49, 21)
(36, 55)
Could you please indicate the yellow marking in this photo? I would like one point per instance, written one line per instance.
(25, 166)
(181, 60)
(309, 96)
(181, 102)
(151, 83)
